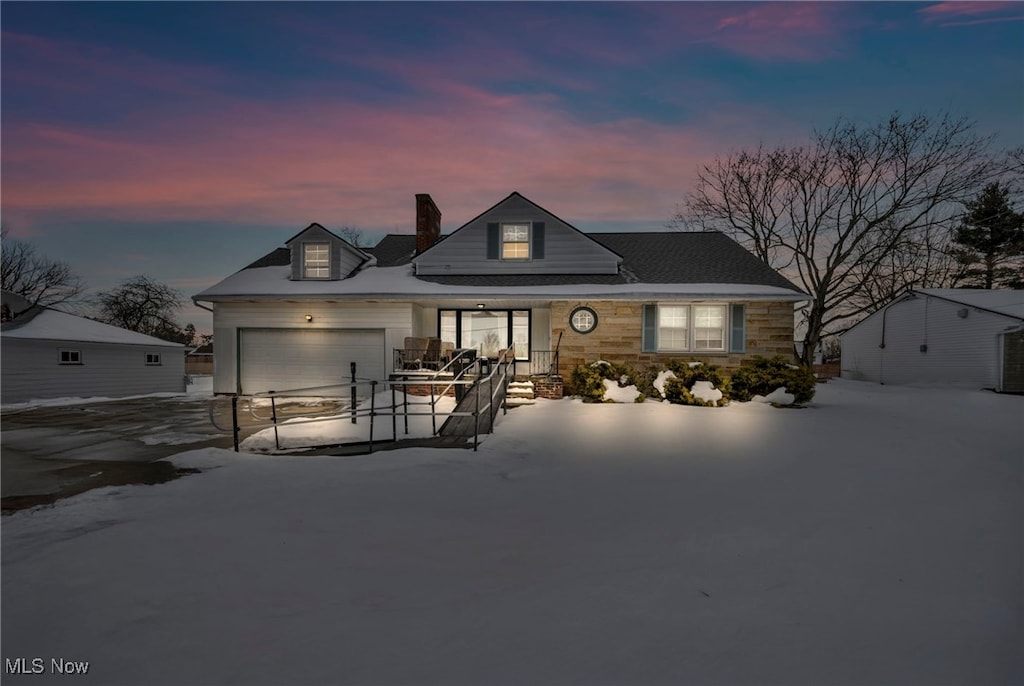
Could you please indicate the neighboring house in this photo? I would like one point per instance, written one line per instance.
(51, 354)
(968, 337)
(516, 275)
(200, 360)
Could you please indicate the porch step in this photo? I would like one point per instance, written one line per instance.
(520, 393)
(513, 401)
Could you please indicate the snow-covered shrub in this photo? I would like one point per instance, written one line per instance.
(690, 373)
(587, 380)
(621, 391)
(701, 393)
(764, 376)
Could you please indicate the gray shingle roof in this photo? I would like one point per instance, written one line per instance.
(648, 257)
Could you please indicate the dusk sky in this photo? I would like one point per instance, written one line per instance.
(184, 140)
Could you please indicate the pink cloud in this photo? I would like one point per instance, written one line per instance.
(799, 31)
(961, 9)
(972, 13)
(349, 163)
(78, 66)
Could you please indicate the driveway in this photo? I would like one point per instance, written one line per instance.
(54, 451)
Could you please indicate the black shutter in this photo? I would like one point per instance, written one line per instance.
(537, 252)
(493, 241)
(649, 344)
(738, 329)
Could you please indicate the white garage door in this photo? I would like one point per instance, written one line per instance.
(288, 359)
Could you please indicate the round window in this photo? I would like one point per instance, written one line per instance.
(583, 320)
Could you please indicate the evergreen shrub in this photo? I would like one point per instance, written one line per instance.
(587, 380)
(762, 376)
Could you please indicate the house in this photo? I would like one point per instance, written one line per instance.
(968, 337)
(515, 275)
(50, 354)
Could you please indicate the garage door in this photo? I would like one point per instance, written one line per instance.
(288, 359)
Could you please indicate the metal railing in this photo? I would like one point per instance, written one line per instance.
(246, 408)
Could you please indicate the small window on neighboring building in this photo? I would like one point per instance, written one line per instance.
(583, 320)
(515, 241)
(71, 357)
(153, 358)
(316, 260)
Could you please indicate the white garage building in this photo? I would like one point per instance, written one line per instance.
(968, 337)
(51, 354)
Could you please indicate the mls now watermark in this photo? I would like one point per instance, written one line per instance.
(38, 665)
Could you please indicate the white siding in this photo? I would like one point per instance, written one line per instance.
(32, 369)
(566, 251)
(394, 319)
(958, 350)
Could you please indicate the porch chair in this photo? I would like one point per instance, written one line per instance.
(447, 350)
(432, 354)
(413, 352)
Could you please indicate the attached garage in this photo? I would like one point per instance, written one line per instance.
(289, 359)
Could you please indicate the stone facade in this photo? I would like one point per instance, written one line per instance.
(617, 338)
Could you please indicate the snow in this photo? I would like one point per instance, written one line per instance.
(60, 326)
(874, 537)
(619, 394)
(777, 397)
(659, 381)
(400, 282)
(303, 433)
(706, 391)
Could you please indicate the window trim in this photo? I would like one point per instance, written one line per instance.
(305, 266)
(71, 352)
(157, 360)
(528, 242)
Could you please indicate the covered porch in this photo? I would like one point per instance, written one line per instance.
(440, 328)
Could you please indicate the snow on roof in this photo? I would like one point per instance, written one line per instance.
(1008, 302)
(399, 282)
(51, 325)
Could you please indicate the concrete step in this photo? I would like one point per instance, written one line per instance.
(513, 401)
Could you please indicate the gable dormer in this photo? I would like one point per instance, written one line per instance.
(517, 236)
(319, 255)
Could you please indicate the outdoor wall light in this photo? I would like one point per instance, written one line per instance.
(480, 306)
(309, 317)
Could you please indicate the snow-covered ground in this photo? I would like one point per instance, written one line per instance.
(309, 431)
(875, 537)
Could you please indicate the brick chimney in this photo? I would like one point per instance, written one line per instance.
(428, 222)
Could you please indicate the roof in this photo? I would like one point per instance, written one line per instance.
(51, 325)
(394, 249)
(649, 257)
(654, 264)
(1006, 302)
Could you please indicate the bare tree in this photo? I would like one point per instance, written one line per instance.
(856, 214)
(143, 305)
(353, 235)
(40, 280)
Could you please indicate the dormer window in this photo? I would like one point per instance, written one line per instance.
(316, 260)
(515, 241)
